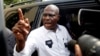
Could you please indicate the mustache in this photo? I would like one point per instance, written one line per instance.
(47, 22)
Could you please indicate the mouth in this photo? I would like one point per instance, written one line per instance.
(47, 23)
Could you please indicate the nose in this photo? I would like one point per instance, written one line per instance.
(47, 17)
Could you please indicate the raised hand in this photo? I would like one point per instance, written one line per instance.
(21, 30)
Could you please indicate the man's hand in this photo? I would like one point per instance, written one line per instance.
(78, 51)
(21, 30)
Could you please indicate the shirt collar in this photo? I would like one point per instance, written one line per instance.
(46, 30)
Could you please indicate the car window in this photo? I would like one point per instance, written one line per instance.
(69, 17)
(37, 20)
(12, 16)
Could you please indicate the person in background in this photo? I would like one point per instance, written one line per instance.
(10, 41)
(49, 40)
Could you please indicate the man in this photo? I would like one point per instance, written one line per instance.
(10, 41)
(49, 40)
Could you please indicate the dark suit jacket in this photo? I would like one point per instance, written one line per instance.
(10, 41)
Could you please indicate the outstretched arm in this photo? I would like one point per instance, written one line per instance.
(21, 30)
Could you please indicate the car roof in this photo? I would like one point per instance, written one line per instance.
(44, 3)
(52, 2)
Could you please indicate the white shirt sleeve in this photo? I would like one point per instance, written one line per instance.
(69, 36)
(30, 47)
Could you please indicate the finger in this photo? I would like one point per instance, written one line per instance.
(16, 30)
(17, 35)
(27, 23)
(19, 32)
(77, 50)
(27, 20)
(26, 32)
(28, 26)
(22, 24)
(23, 29)
(21, 16)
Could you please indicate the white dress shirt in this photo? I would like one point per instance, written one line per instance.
(46, 42)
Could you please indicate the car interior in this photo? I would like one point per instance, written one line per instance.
(89, 20)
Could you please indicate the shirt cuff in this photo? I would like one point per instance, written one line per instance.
(18, 53)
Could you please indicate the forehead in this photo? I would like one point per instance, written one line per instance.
(50, 9)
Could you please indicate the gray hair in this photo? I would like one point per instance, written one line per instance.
(54, 7)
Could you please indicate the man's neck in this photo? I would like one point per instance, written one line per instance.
(52, 29)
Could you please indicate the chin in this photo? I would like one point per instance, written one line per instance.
(48, 26)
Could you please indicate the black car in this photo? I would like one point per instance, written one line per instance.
(68, 10)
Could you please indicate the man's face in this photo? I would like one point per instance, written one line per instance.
(50, 18)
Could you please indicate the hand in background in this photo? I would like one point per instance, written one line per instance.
(78, 51)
